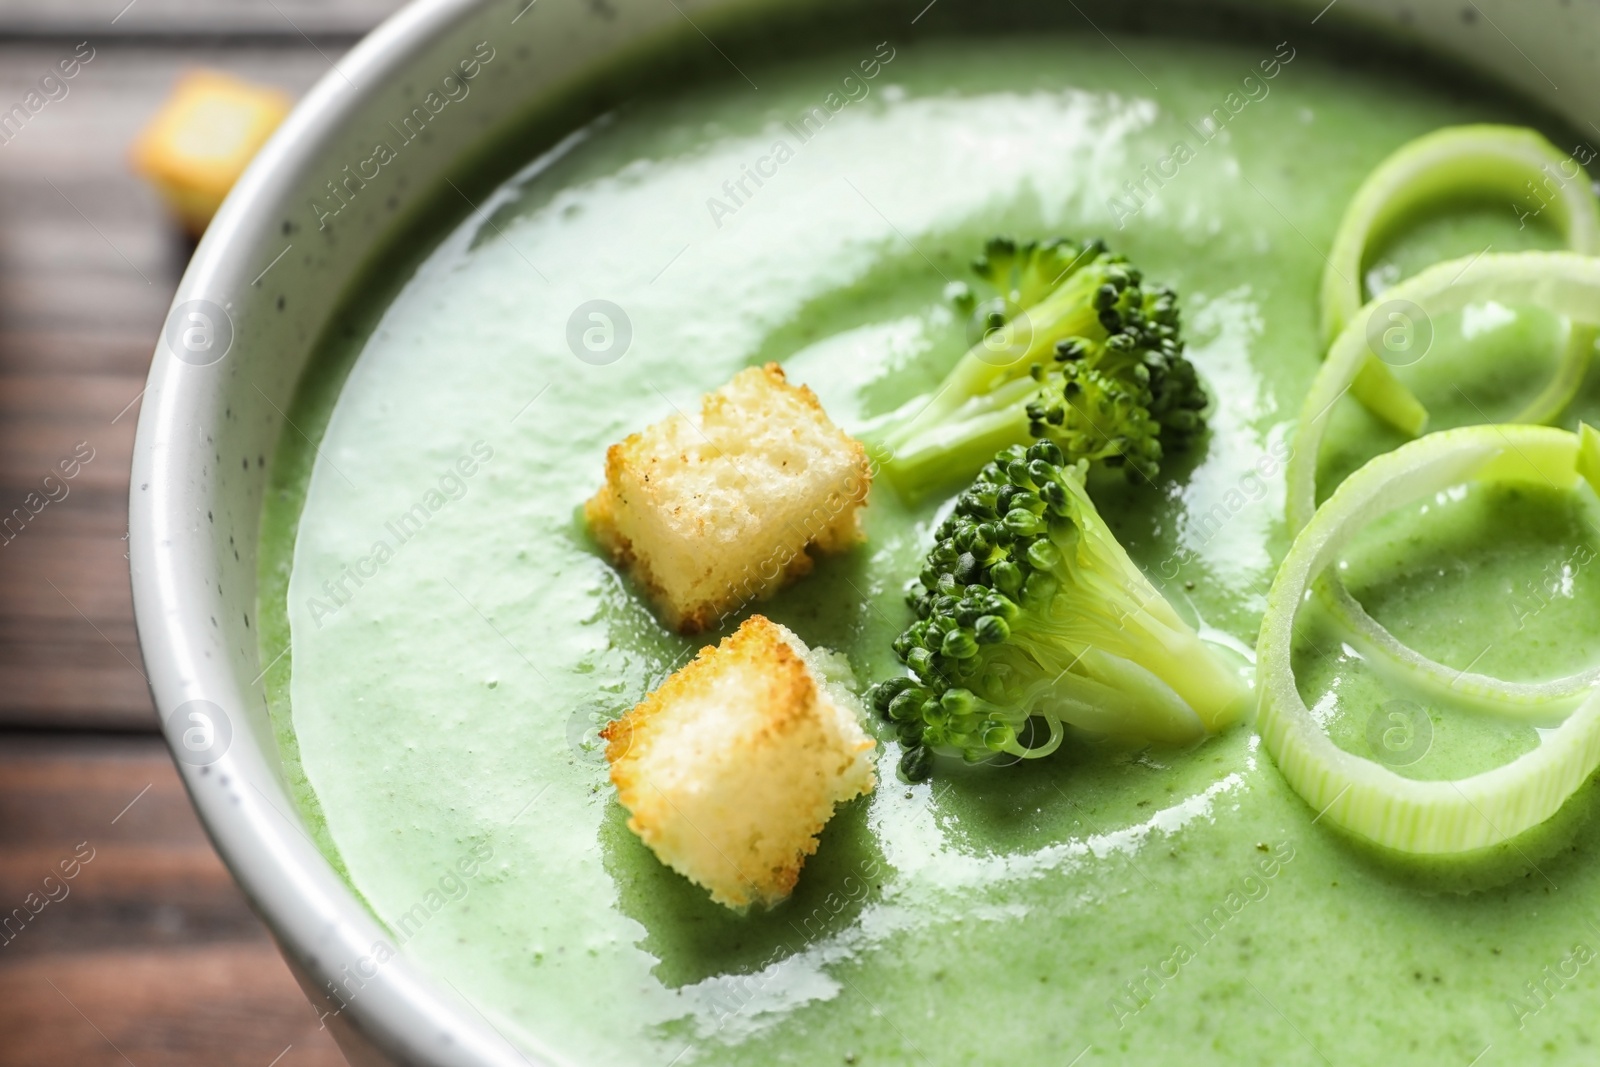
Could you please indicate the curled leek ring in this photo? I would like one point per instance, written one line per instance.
(1562, 282)
(1366, 798)
(1450, 163)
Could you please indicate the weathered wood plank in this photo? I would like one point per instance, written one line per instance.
(149, 951)
(65, 578)
(75, 696)
(151, 955)
(81, 449)
(212, 1005)
(201, 19)
(87, 271)
(58, 786)
(89, 348)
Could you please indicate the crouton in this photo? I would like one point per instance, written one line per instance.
(203, 137)
(714, 513)
(731, 768)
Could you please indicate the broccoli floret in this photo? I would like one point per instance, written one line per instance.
(1029, 608)
(1075, 349)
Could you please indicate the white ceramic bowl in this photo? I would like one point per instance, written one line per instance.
(267, 279)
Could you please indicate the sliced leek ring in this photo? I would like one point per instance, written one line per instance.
(1490, 161)
(1564, 283)
(1366, 798)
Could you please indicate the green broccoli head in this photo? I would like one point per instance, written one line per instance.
(1096, 413)
(1029, 608)
(1074, 349)
(1023, 274)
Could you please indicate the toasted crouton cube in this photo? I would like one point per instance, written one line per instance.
(713, 513)
(202, 139)
(732, 767)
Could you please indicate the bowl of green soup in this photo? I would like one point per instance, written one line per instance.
(498, 238)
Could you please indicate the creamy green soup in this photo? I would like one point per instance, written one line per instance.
(456, 638)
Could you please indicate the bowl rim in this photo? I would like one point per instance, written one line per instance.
(316, 918)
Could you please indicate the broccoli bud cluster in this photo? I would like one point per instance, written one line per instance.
(1028, 607)
(1090, 358)
(991, 556)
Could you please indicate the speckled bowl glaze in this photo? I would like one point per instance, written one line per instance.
(312, 214)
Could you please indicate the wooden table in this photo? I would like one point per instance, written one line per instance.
(150, 955)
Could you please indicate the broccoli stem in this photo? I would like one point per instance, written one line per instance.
(1078, 351)
(966, 439)
(1132, 621)
(1029, 608)
(991, 364)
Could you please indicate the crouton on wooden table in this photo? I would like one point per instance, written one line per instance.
(710, 514)
(733, 766)
(202, 139)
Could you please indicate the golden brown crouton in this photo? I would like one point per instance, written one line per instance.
(714, 513)
(732, 767)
